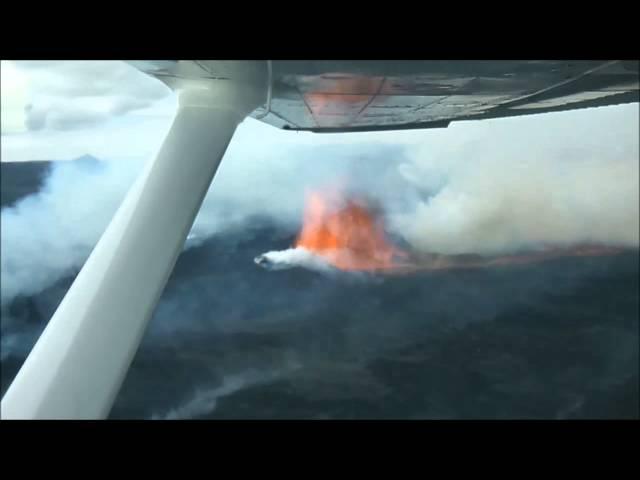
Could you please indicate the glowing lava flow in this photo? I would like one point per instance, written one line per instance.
(346, 234)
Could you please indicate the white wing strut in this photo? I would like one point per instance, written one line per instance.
(78, 364)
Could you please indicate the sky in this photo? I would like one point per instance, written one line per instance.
(59, 110)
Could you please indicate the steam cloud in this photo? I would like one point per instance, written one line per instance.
(47, 235)
(491, 206)
(293, 257)
(479, 187)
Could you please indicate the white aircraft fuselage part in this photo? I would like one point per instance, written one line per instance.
(78, 364)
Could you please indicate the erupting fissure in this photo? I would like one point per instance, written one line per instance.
(349, 235)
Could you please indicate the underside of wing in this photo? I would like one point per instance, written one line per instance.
(342, 96)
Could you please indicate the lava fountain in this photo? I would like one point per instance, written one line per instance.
(346, 233)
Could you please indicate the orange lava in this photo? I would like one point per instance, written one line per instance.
(346, 234)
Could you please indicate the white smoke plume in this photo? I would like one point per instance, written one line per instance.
(48, 235)
(493, 207)
(530, 183)
(291, 258)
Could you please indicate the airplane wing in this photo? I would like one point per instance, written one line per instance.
(343, 96)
